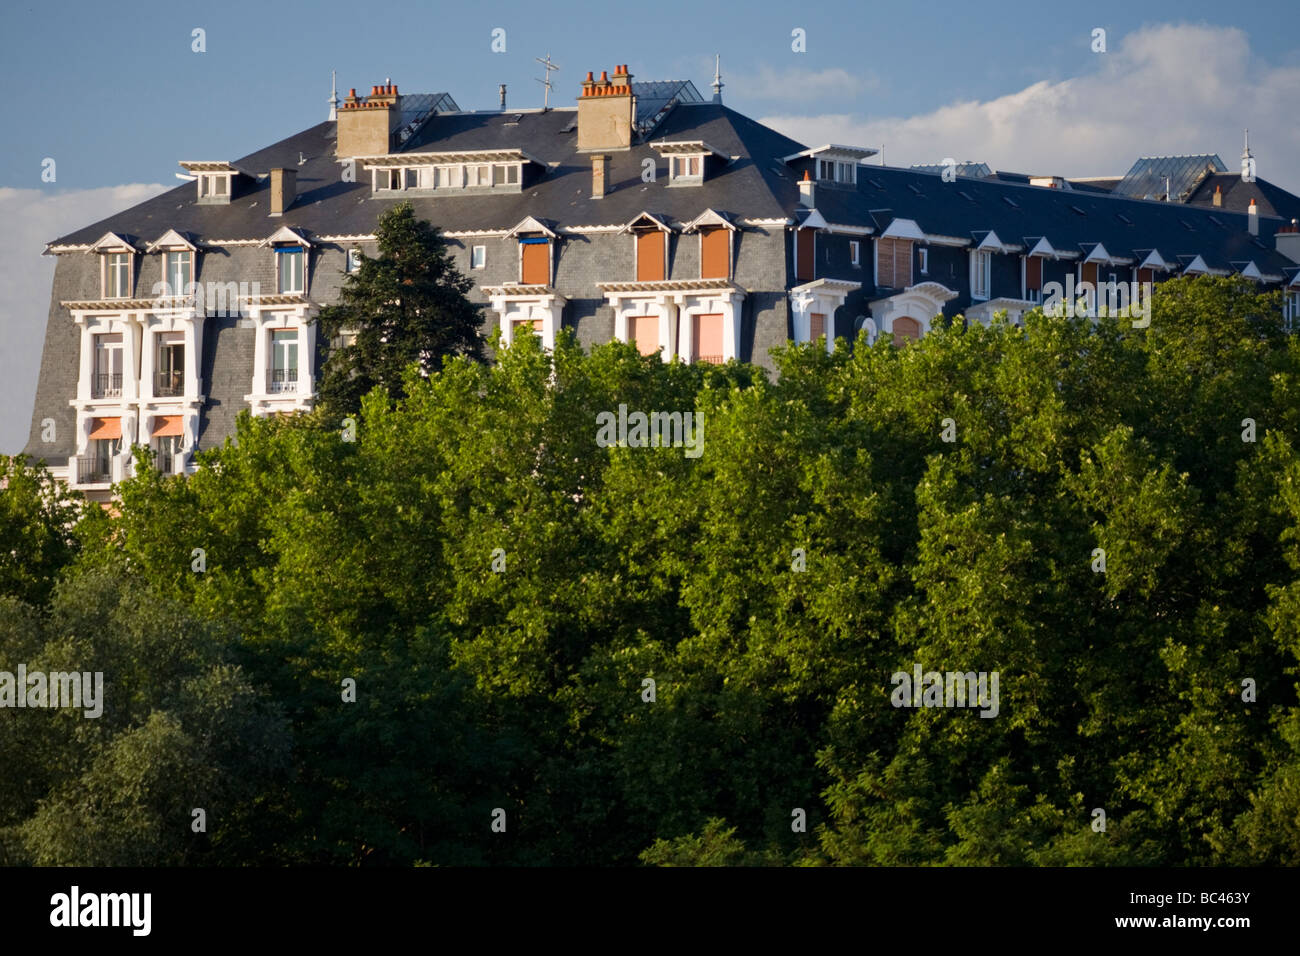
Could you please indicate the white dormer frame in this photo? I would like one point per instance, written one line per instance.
(206, 173)
(657, 222)
(286, 236)
(531, 225)
(1156, 261)
(991, 243)
(170, 240)
(111, 244)
(905, 229)
(1102, 257)
(1197, 265)
(638, 223)
(845, 159)
(1252, 272)
(710, 217)
(677, 152)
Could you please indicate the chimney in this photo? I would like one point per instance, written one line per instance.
(366, 124)
(1252, 219)
(599, 175)
(284, 190)
(1218, 195)
(1288, 241)
(502, 91)
(606, 111)
(806, 189)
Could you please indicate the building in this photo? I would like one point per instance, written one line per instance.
(643, 213)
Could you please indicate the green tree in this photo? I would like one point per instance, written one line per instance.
(406, 306)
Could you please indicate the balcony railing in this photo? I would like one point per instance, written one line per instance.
(106, 385)
(281, 380)
(94, 471)
(169, 384)
(712, 359)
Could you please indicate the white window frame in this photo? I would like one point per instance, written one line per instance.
(280, 253)
(178, 256)
(124, 292)
(111, 345)
(680, 168)
(352, 261)
(855, 253)
(923, 257)
(981, 274)
(478, 257)
(1291, 311)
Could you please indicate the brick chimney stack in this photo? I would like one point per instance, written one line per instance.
(1218, 195)
(366, 124)
(599, 175)
(284, 190)
(606, 111)
(807, 189)
(1252, 219)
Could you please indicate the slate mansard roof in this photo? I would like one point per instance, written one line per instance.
(751, 183)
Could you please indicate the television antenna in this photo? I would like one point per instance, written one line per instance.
(546, 83)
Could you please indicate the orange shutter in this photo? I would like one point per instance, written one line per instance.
(903, 263)
(1033, 272)
(167, 425)
(1146, 275)
(649, 255)
(805, 250)
(706, 339)
(645, 333)
(1090, 272)
(817, 327)
(885, 263)
(906, 329)
(106, 428)
(715, 253)
(535, 269)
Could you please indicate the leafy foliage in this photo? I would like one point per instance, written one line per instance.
(508, 595)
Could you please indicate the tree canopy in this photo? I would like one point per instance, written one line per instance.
(475, 635)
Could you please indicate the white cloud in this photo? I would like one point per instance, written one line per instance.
(800, 84)
(1166, 90)
(32, 218)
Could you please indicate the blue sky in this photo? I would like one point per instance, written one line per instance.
(115, 94)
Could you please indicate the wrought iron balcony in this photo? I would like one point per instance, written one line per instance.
(106, 385)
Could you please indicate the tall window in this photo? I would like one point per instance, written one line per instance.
(178, 271)
(354, 260)
(284, 361)
(478, 257)
(1291, 312)
(170, 380)
(290, 262)
(117, 276)
(981, 268)
(1034, 278)
(106, 381)
(923, 261)
(893, 263)
(855, 254)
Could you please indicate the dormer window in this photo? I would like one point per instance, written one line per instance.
(214, 186)
(290, 271)
(683, 169)
(215, 179)
(449, 173)
(178, 270)
(832, 171)
(117, 275)
(690, 162)
(830, 163)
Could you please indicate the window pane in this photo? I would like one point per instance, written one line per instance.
(219, 185)
(512, 174)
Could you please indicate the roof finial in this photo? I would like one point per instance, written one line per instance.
(334, 95)
(717, 78)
